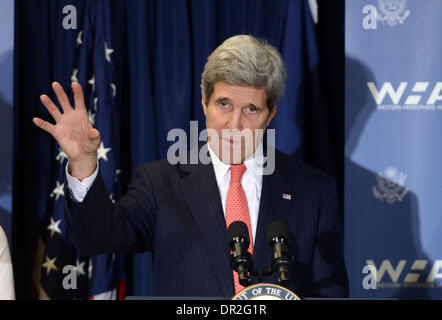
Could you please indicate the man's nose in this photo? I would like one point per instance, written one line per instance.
(234, 122)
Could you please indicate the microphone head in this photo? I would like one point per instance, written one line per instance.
(238, 229)
(277, 229)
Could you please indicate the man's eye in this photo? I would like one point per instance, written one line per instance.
(252, 109)
(223, 104)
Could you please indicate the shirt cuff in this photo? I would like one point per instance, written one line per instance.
(79, 188)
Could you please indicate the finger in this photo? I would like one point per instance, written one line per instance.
(51, 107)
(62, 97)
(78, 96)
(46, 126)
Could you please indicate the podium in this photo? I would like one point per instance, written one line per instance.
(259, 291)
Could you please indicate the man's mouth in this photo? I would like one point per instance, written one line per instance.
(231, 140)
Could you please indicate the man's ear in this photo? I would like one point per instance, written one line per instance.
(203, 102)
(271, 115)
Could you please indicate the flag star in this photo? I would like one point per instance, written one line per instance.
(95, 104)
(91, 117)
(49, 264)
(61, 156)
(54, 227)
(90, 268)
(107, 52)
(58, 191)
(117, 173)
(92, 82)
(102, 152)
(114, 89)
(79, 267)
(111, 197)
(74, 75)
(79, 40)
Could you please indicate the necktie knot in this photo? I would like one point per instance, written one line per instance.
(236, 172)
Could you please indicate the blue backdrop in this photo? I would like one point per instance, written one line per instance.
(393, 177)
(6, 80)
(160, 48)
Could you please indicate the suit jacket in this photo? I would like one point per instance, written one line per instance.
(176, 211)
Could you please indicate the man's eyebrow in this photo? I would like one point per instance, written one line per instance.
(220, 99)
(250, 104)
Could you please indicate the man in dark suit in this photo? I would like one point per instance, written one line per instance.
(181, 211)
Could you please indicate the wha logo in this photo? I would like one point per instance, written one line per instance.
(412, 274)
(407, 96)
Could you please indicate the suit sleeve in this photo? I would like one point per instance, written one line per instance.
(97, 225)
(329, 271)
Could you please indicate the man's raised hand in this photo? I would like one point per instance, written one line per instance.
(72, 130)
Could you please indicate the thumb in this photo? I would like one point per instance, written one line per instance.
(94, 135)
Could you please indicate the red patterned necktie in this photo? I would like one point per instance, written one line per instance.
(237, 208)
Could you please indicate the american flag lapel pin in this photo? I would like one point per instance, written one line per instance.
(287, 196)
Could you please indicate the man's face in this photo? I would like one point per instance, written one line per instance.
(234, 116)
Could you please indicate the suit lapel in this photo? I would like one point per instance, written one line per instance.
(200, 191)
(273, 206)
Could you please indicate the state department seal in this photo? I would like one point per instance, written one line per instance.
(391, 185)
(393, 11)
(265, 291)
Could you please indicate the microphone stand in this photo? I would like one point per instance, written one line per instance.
(267, 271)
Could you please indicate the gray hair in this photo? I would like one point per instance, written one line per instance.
(244, 60)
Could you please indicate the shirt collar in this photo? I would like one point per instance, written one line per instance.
(221, 169)
(254, 165)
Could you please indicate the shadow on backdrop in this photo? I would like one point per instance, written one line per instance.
(376, 229)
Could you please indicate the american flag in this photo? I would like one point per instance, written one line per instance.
(99, 276)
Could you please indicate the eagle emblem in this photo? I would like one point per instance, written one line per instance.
(392, 11)
(390, 186)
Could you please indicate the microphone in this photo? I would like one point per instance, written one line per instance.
(278, 239)
(238, 236)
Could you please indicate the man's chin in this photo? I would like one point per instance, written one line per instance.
(232, 153)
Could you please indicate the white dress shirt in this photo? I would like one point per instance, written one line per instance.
(7, 291)
(251, 182)
(80, 188)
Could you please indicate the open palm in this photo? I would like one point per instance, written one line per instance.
(72, 130)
